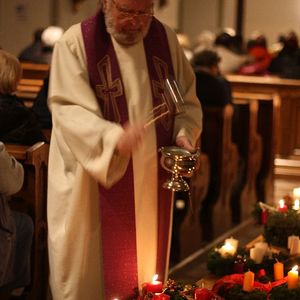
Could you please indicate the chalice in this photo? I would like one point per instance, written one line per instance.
(178, 161)
(181, 163)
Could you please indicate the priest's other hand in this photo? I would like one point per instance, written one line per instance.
(183, 142)
(130, 139)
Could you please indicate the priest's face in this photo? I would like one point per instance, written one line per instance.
(128, 21)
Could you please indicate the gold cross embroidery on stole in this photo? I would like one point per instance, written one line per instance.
(109, 89)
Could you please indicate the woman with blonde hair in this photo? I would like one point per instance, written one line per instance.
(18, 123)
(10, 73)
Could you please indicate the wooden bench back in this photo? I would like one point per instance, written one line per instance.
(249, 142)
(32, 81)
(190, 227)
(32, 199)
(288, 90)
(216, 142)
(268, 119)
(35, 71)
(28, 90)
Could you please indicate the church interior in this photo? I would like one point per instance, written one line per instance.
(246, 189)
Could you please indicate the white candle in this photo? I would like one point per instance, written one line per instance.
(290, 240)
(262, 245)
(258, 252)
(281, 203)
(227, 249)
(296, 205)
(233, 242)
(295, 246)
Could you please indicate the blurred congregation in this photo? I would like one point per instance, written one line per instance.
(249, 89)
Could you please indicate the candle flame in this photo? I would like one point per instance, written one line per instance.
(295, 268)
(296, 204)
(154, 278)
(281, 203)
(228, 246)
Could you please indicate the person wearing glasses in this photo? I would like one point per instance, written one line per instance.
(108, 216)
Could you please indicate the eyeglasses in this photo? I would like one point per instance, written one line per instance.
(130, 14)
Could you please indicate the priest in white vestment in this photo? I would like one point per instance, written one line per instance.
(90, 153)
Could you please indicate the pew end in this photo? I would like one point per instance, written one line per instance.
(216, 142)
(32, 199)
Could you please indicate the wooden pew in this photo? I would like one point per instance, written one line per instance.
(35, 71)
(32, 199)
(249, 144)
(199, 183)
(267, 128)
(33, 76)
(28, 90)
(216, 142)
(288, 147)
(190, 227)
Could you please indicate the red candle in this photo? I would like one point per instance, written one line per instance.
(282, 207)
(264, 217)
(238, 266)
(154, 286)
(160, 296)
(203, 294)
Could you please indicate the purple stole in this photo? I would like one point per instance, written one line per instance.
(117, 207)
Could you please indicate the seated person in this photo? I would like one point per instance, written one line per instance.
(40, 107)
(16, 230)
(212, 88)
(260, 58)
(227, 45)
(40, 52)
(18, 124)
(286, 63)
(32, 53)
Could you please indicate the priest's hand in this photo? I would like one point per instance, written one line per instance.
(183, 142)
(130, 139)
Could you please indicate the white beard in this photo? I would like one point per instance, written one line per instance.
(127, 37)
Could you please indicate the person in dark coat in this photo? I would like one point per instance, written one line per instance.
(40, 51)
(287, 63)
(211, 87)
(40, 107)
(213, 90)
(18, 124)
(32, 53)
(16, 231)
